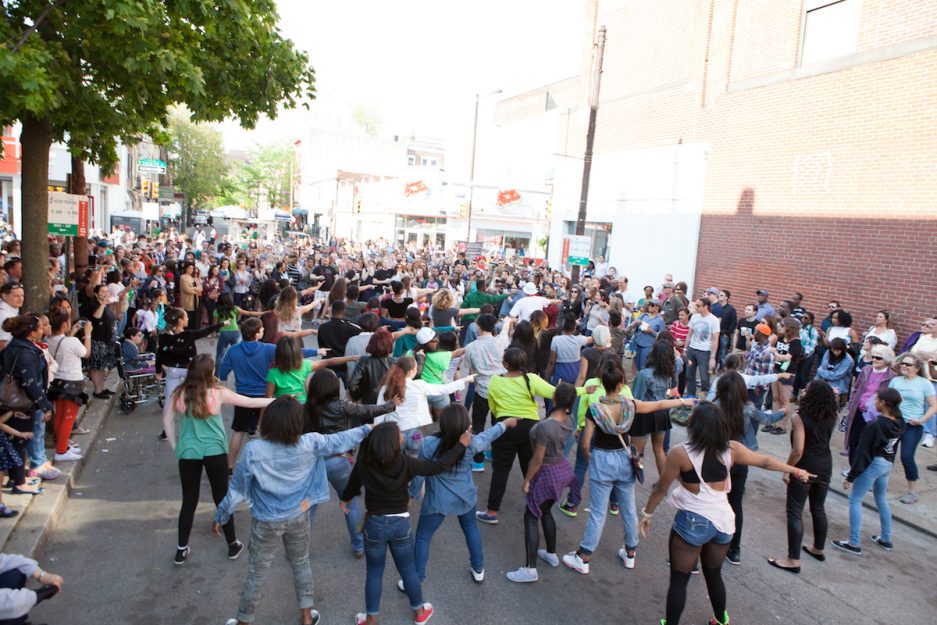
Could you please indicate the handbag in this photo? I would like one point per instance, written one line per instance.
(12, 394)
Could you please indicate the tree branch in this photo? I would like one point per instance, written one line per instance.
(32, 29)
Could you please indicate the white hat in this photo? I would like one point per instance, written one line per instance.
(425, 335)
(530, 289)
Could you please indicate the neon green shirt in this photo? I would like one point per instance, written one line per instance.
(435, 365)
(290, 382)
(509, 397)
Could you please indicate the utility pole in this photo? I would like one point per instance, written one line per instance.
(590, 139)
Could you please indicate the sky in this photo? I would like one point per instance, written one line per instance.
(419, 63)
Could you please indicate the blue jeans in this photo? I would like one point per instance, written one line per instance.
(640, 355)
(428, 525)
(697, 530)
(121, 324)
(37, 446)
(875, 477)
(412, 444)
(226, 339)
(931, 426)
(910, 439)
(697, 359)
(610, 470)
(381, 532)
(723, 349)
(338, 470)
(581, 465)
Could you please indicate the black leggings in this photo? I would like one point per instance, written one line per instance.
(855, 433)
(479, 414)
(514, 442)
(682, 558)
(532, 532)
(18, 474)
(797, 494)
(739, 475)
(190, 474)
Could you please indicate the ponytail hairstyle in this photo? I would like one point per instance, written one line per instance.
(515, 359)
(453, 421)
(732, 396)
(395, 380)
(612, 376)
(564, 397)
(891, 401)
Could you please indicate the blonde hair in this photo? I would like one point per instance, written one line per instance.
(442, 299)
(286, 304)
(919, 362)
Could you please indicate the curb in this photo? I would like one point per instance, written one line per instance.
(896, 518)
(39, 514)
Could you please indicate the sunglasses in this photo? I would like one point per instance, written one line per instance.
(932, 363)
(874, 357)
(908, 364)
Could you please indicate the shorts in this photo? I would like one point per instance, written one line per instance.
(245, 419)
(697, 530)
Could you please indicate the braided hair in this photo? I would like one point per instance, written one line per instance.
(515, 359)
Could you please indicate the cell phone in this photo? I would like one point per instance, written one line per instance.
(82, 323)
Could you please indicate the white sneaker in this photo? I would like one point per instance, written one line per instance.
(523, 575)
(928, 440)
(478, 576)
(549, 558)
(628, 561)
(69, 456)
(573, 561)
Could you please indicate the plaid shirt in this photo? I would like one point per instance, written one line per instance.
(809, 339)
(760, 360)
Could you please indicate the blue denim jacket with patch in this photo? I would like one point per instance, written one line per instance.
(281, 481)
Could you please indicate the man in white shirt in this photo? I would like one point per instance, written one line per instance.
(11, 300)
(525, 306)
(601, 268)
(702, 346)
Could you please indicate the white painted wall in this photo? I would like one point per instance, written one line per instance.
(653, 198)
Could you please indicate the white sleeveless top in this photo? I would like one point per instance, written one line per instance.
(708, 502)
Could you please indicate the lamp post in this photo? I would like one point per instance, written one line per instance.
(478, 98)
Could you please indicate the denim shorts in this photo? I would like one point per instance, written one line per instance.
(697, 530)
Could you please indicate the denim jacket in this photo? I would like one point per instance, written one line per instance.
(280, 481)
(453, 492)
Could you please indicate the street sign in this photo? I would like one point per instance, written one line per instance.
(474, 249)
(577, 249)
(151, 166)
(68, 214)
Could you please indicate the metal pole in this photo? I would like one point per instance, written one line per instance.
(468, 233)
(590, 141)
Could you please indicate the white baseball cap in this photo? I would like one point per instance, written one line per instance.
(425, 335)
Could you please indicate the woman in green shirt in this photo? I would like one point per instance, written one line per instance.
(290, 371)
(202, 442)
(512, 395)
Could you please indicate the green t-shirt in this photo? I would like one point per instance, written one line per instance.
(199, 438)
(435, 365)
(404, 344)
(290, 382)
(231, 323)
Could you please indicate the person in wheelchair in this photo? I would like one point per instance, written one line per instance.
(135, 362)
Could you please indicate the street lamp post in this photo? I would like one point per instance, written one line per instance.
(478, 98)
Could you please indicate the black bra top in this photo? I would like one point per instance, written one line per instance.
(713, 471)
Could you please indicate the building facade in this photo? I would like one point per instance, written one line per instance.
(751, 144)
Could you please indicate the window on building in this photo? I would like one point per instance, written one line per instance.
(831, 29)
(411, 159)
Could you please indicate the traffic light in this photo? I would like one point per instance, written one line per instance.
(464, 210)
(549, 209)
(145, 187)
(154, 191)
(358, 208)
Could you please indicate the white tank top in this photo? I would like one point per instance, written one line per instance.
(708, 502)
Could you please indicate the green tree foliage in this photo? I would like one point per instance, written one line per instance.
(101, 72)
(196, 163)
(271, 166)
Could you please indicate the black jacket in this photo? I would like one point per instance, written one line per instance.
(385, 488)
(879, 440)
(341, 415)
(31, 370)
(363, 383)
(334, 335)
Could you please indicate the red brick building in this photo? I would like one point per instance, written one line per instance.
(815, 129)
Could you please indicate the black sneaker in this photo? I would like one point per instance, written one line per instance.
(235, 549)
(884, 544)
(843, 545)
(162, 435)
(734, 556)
(181, 555)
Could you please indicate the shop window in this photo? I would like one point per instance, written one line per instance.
(831, 29)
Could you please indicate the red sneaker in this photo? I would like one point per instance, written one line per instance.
(425, 616)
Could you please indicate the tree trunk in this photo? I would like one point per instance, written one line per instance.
(36, 140)
(79, 187)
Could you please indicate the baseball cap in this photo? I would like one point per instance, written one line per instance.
(712, 291)
(425, 335)
(761, 292)
(763, 328)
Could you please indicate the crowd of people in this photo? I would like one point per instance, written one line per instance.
(416, 348)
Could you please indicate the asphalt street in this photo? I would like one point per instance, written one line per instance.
(116, 541)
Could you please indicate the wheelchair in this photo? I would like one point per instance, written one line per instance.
(140, 387)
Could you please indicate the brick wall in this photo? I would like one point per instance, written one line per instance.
(824, 183)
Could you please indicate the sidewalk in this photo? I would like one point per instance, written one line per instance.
(921, 516)
(26, 533)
